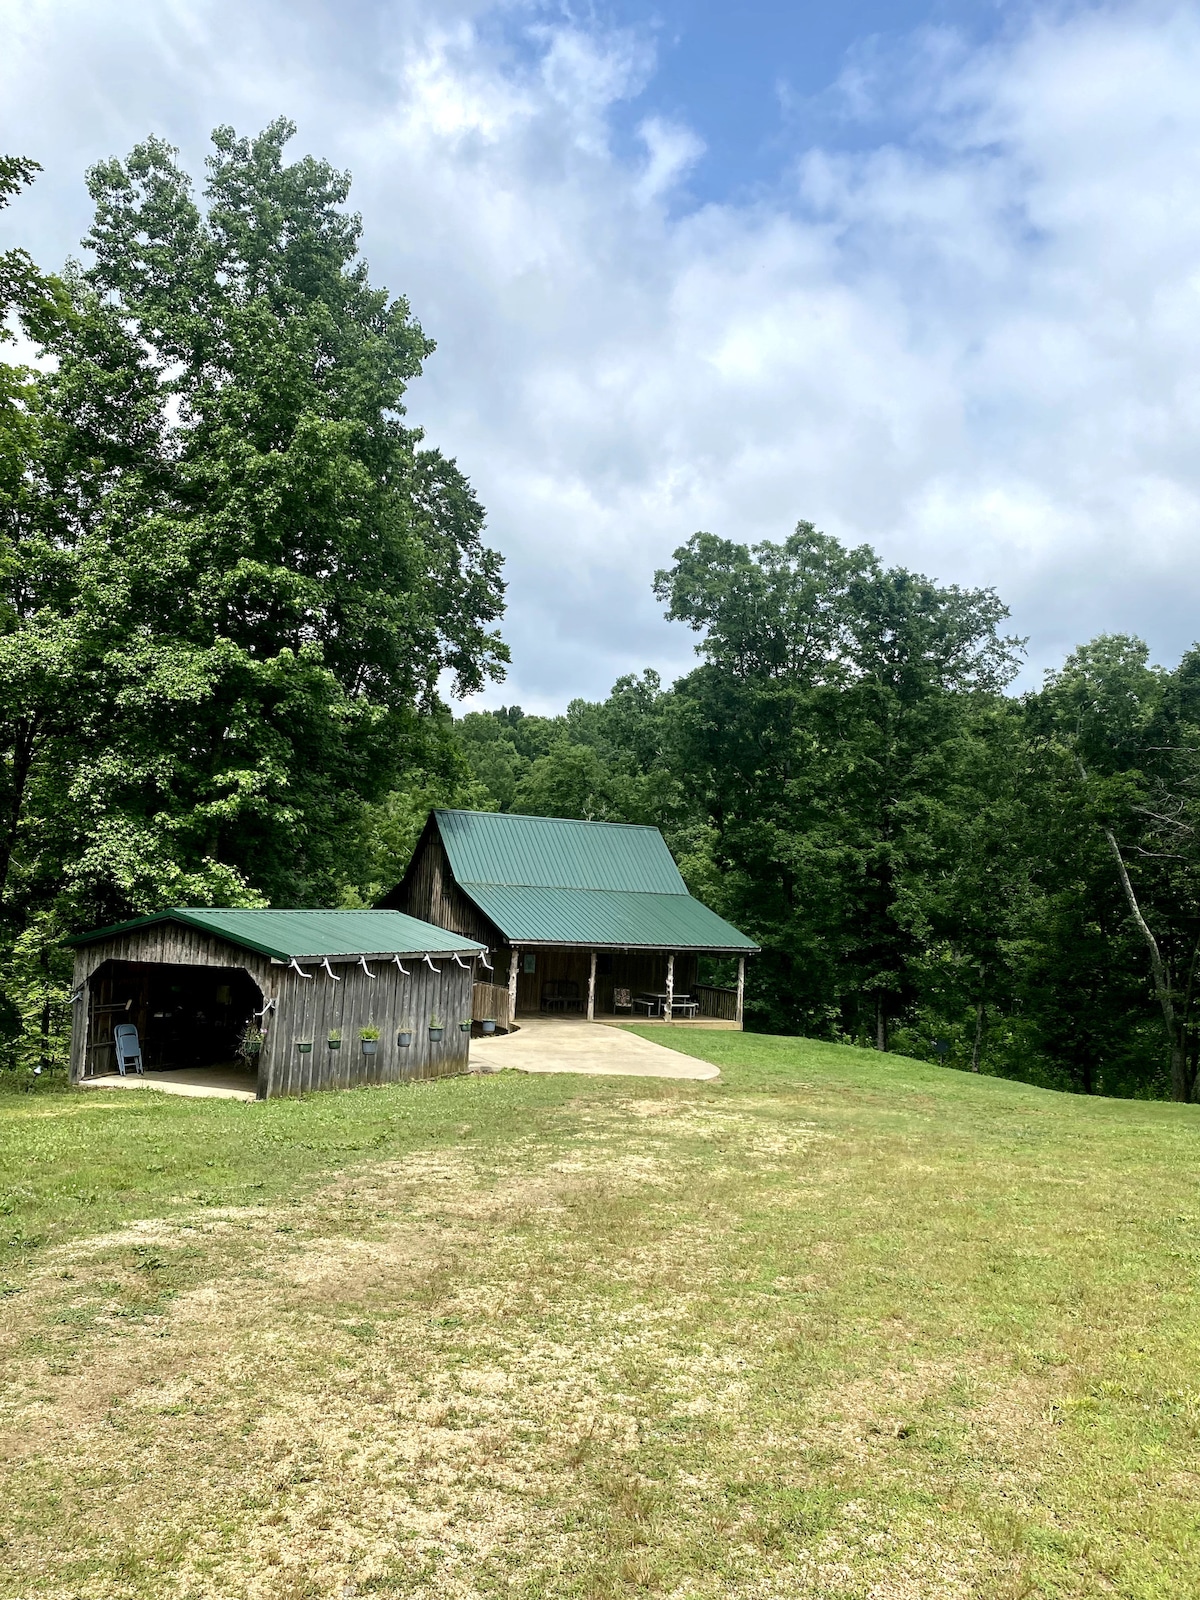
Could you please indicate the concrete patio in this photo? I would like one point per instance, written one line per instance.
(569, 1044)
(201, 1083)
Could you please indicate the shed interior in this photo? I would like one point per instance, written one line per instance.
(186, 1016)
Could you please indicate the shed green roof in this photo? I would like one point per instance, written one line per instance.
(551, 880)
(296, 935)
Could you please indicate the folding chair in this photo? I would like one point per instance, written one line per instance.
(127, 1047)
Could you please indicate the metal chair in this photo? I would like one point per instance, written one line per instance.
(127, 1048)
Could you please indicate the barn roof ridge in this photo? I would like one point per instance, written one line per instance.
(297, 934)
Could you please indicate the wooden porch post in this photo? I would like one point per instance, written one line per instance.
(670, 986)
(592, 990)
(81, 1017)
(741, 988)
(513, 959)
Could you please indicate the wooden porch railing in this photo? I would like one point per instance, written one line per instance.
(716, 1002)
(490, 1000)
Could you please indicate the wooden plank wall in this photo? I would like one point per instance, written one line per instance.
(310, 1007)
(490, 1000)
(716, 1002)
(430, 893)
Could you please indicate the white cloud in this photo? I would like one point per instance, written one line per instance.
(974, 346)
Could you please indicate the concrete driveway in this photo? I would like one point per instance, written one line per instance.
(569, 1044)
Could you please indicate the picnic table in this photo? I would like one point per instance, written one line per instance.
(655, 1004)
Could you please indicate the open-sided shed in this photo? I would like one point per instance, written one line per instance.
(194, 980)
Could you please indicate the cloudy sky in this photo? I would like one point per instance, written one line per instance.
(925, 272)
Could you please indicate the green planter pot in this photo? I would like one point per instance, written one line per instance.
(464, 1027)
(304, 1046)
(436, 1033)
(404, 1040)
(334, 1044)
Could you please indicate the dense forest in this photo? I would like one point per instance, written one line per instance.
(233, 580)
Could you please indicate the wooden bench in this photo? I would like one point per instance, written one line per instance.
(561, 994)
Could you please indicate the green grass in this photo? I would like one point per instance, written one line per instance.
(836, 1324)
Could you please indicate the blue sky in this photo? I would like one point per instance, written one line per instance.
(928, 276)
(754, 79)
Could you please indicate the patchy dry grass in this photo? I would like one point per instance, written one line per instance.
(835, 1325)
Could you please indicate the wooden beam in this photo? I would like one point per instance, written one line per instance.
(741, 995)
(513, 959)
(670, 986)
(591, 1012)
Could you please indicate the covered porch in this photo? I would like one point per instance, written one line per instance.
(655, 986)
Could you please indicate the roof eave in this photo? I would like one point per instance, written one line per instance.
(243, 942)
(335, 956)
(599, 944)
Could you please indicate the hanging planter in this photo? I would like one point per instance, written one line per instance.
(304, 1046)
(404, 1037)
(335, 1039)
(435, 1028)
(368, 1038)
(251, 1042)
(464, 1027)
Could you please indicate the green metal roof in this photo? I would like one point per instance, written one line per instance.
(556, 853)
(288, 935)
(548, 880)
(599, 918)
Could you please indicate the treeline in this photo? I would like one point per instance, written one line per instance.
(931, 864)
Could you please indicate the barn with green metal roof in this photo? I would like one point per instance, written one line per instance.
(592, 917)
(304, 999)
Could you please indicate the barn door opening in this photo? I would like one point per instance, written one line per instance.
(187, 1017)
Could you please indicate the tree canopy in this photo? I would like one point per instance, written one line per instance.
(234, 576)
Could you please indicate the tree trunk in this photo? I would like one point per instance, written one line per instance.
(979, 1012)
(23, 748)
(881, 1027)
(47, 1010)
(1180, 1078)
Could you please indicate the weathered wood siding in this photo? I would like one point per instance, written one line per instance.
(428, 891)
(717, 1002)
(490, 1000)
(305, 1008)
(309, 1008)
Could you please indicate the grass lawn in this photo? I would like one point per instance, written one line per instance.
(836, 1324)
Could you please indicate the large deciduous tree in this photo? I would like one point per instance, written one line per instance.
(235, 576)
(821, 730)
